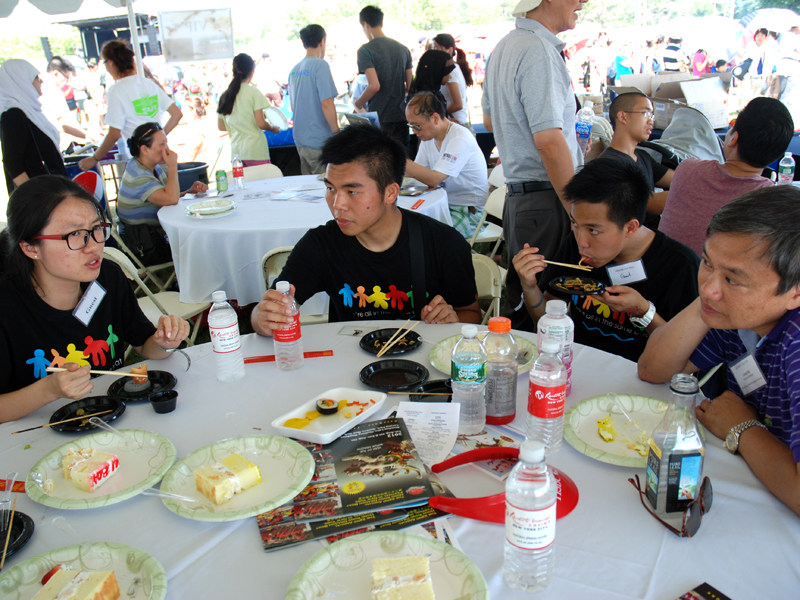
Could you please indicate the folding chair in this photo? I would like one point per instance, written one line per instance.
(258, 172)
(489, 279)
(496, 177)
(492, 233)
(271, 265)
(160, 303)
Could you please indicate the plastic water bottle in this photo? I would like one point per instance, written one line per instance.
(675, 462)
(557, 325)
(237, 166)
(584, 119)
(223, 325)
(786, 170)
(289, 341)
(501, 372)
(530, 521)
(546, 395)
(468, 379)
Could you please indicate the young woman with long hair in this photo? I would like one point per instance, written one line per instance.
(455, 90)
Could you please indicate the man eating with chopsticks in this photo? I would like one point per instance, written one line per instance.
(648, 277)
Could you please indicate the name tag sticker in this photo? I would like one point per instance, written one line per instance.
(626, 273)
(748, 374)
(89, 303)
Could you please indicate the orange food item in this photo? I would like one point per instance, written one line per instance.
(296, 423)
(140, 370)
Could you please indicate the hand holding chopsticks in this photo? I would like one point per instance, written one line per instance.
(126, 373)
(396, 337)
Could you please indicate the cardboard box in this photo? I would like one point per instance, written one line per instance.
(708, 95)
(596, 100)
(647, 84)
(664, 108)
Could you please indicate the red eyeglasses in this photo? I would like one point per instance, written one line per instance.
(692, 515)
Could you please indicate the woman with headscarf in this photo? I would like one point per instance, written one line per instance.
(455, 90)
(29, 140)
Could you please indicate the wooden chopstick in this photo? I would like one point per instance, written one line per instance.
(8, 533)
(423, 393)
(394, 339)
(128, 373)
(581, 267)
(105, 412)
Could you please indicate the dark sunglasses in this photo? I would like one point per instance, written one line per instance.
(692, 514)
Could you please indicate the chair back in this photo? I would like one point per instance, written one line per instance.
(495, 202)
(489, 281)
(258, 172)
(272, 263)
(127, 266)
(496, 177)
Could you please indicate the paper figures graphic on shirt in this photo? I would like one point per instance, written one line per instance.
(111, 340)
(97, 350)
(378, 298)
(411, 297)
(76, 356)
(58, 360)
(397, 297)
(347, 295)
(362, 297)
(39, 362)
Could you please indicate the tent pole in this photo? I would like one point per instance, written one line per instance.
(134, 36)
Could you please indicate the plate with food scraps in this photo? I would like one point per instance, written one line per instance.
(329, 415)
(440, 354)
(375, 340)
(143, 461)
(576, 284)
(210, 207)
(128, 390)
(285, 468)
(138, 574)
(86, 408)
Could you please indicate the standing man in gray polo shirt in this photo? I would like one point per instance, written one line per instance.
(312, 91)
(529, 104)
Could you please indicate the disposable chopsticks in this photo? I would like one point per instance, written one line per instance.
(581, 267)
(105, 412)
(271, 357)
(8, 533)
(423, 393)
(394, 339)
(127, 373)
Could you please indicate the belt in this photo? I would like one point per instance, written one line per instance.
(528, 187)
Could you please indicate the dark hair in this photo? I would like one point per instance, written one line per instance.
(427, 104)
(142, 136)
(431, 70)
(371, 15)
(762, 30)
(765, 129)
(675, 40)
(29, 209)
(312, 35)
(120, 54)
(243, 67)
(721, 63)
(383, 158)
(60, 64)
(199, 104)
(660, 39)
(771, 216)
(445, 40)
(623, 102)
(620, 185)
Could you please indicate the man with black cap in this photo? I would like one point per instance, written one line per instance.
(529, 103)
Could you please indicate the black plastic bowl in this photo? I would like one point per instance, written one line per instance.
(164, 402)
(437, 386)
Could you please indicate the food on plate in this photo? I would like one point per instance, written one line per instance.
(606, 429)
(49, 486)
(138, 384)
(80, 585)
(297, 423)
(326, 406)
(407, 578)
(52, 572)
(641, 444)
(312, 414)
(578, 284)
(232, 475)
(88, 468)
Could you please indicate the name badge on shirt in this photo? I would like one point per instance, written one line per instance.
(89, 303)
(626, 273)
(748, 374)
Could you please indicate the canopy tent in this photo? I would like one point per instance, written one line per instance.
(779, 20)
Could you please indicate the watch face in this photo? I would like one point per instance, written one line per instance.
(730, 442)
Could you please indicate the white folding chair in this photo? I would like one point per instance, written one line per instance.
(489, 279)
(257, 172)
(492, 233)
(271, 265)
(496, 177)
(160, 303)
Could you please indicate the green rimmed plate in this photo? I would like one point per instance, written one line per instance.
(128, 563)
(136, 471)
(345, 567)
(286, 468)
(441, 352)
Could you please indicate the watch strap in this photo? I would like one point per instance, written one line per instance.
(741, 428)
(647, 318)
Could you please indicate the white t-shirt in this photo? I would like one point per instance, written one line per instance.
(54, 107)
(133, 101)
(461, 159)
(456, 76)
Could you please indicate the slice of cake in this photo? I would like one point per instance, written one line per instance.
(80, 585)
(407, 578)
(88, 468)
(219, 482)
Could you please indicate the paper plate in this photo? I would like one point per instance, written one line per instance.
(440, 354)
(210, 207)
(344, 569)
(276, 117)
(24, 580)
(286, 468)
(136, 471)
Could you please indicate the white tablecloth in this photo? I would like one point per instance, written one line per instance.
(609, 547)
(225, 253)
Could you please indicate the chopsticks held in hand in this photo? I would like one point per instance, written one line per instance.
(105, 412)
(579, 266)
(396, 337)
(126, 373)
(8, 533)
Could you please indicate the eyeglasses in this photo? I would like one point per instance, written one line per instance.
(78, 239)
(417, 127)
(647, 114)
(692, 514)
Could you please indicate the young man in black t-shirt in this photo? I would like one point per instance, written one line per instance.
(650, 277)
(365, 259)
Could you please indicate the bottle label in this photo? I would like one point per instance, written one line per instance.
(684, 474)
(501, 396)
(225, 339)
(530, 529)
(786, 169)
(546, 402)
(468, 373)
(584, 130)
(290, 332)
(653, 472)
(238, 172)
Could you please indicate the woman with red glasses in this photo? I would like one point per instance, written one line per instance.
(61, 305)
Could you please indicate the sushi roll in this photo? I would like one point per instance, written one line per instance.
(138, 384)
(326, 406)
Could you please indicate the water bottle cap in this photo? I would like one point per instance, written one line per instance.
(590, 104)
(500, 324)
(469, 331)
(787, 155)
(531, 451)
(550, 346)
(282, 287)
(219, 296)
(555, 307)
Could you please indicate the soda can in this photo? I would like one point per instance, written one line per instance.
(222, 181)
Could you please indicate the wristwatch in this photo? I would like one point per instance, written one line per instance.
(645, 320)
(732, 439)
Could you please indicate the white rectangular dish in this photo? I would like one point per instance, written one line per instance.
(326, 428)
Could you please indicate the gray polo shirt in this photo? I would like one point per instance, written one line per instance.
(526, 90)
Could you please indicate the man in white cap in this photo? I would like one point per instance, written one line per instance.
(529, 104)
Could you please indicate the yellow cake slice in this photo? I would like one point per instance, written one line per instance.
(220, 481)
(80, 585)
(407, 578)
(88, 468)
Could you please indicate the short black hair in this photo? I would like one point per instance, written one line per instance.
(426, 104)
(619, 184)
(624, 102)
(383, 158)
(371, 15)
(765, 128)
(60, 64)
(312, 35)
(721, 63)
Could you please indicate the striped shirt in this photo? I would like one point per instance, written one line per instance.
(778, 355)
(673, 58)
(134, 190)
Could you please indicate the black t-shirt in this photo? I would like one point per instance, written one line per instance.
(377, 285)
(671, 285)
(20, 138)
(34, 335)
(653, 170)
